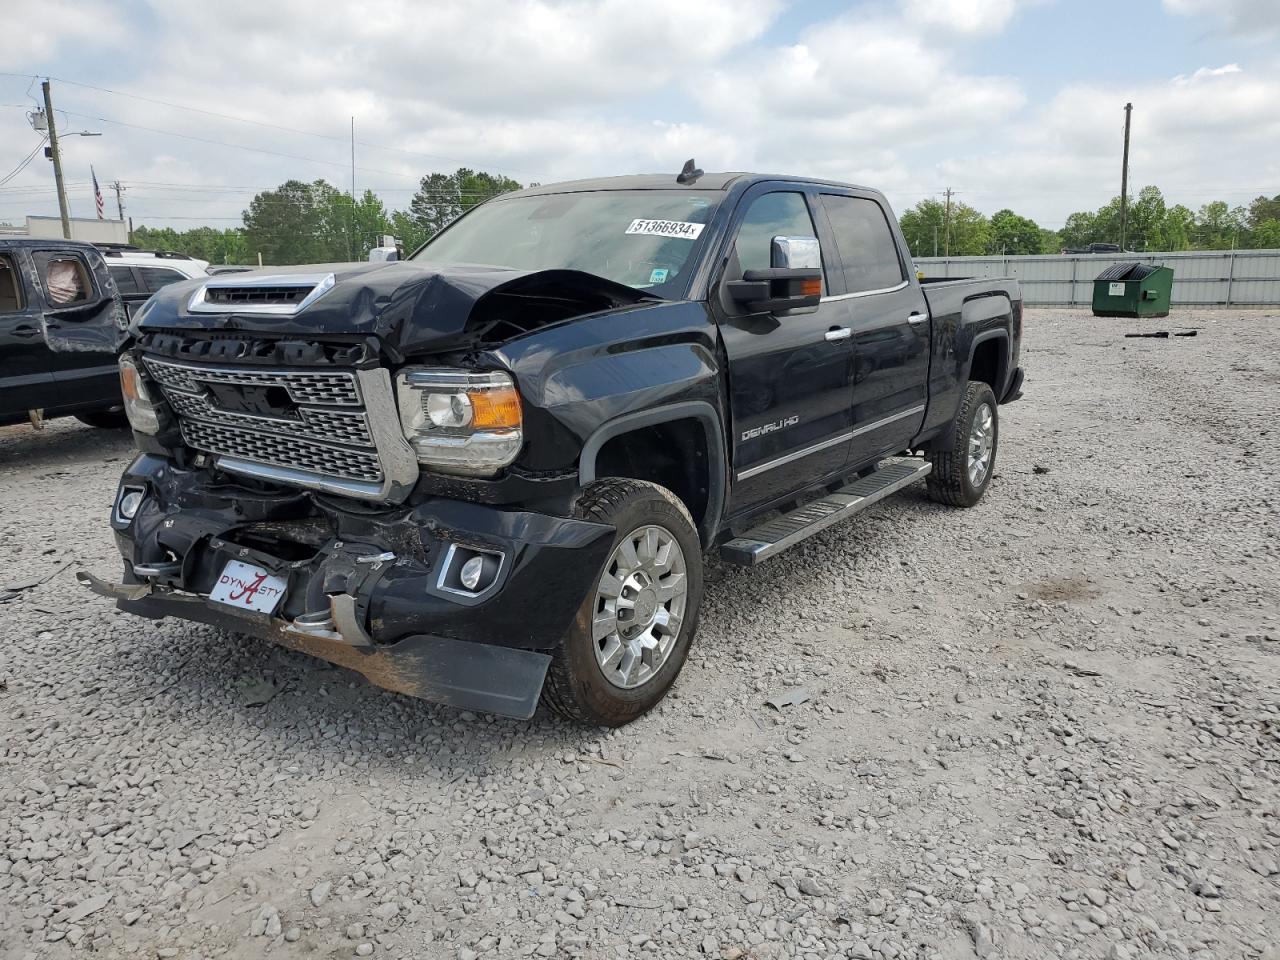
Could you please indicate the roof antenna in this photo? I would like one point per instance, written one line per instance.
(690, 173)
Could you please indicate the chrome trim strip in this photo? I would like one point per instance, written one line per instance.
(865, 293)
(320, 284)
(796, 455)
(301, 478)
(888, 420)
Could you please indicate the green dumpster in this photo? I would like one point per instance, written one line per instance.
(1132, 290)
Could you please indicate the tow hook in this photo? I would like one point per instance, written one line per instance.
(339, 623)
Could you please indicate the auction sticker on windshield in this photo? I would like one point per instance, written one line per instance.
(666, 228)
(248, 587)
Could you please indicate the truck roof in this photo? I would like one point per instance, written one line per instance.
(667, 181)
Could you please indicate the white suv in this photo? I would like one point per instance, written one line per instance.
(140, 273)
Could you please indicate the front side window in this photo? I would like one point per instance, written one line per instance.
(10, 286)
(866, 246)
(782, 214)
(65, 280)
(645, 239)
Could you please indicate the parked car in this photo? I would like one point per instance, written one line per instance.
(488, 473)
(140, 273)
(58, 288)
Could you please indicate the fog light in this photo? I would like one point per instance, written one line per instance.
(130, 502)
(471, 571)
(468, 572)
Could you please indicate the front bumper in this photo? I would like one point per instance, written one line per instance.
(367, 588)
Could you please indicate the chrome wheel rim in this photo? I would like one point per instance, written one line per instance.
(639, 606)
(982, 438)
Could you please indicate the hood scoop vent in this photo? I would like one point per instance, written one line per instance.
(275, 295)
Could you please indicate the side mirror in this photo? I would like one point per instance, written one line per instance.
(792, 283)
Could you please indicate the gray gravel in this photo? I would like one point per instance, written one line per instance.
(1048, 726)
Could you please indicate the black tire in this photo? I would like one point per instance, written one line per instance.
(104, 419)
(950, 482)
(576, 686)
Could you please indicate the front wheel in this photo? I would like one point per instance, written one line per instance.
(962, 472)
(633, 631)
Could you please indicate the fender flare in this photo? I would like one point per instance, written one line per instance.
(701, 411)
(1002, 374)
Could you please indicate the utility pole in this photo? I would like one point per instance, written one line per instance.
(351, 240)
(119, 198)
(946, 226)
(57, 162)
(1124, 177)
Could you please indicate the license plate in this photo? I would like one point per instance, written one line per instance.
(246, 587)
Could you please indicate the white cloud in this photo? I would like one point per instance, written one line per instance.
(902, 96)
(1256, 20)
(963, 16)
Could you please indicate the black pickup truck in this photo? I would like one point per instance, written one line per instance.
(488, 474)
(58, 293)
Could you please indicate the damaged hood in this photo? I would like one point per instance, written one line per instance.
(411, 308)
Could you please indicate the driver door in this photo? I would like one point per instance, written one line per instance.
(790, 377)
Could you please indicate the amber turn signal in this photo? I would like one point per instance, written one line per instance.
(495, 408)
(811, 287)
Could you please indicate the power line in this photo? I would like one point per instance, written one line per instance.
(260, 123)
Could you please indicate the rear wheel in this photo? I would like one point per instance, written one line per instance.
(633, 631)
(962, 472)
(104, 419)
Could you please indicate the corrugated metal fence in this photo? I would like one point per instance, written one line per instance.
(1206, 278)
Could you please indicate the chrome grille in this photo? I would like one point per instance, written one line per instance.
(304, 386)
(277, 450)
(343, 426)
(323, 430)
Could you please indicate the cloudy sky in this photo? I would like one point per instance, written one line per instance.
(1013, 103)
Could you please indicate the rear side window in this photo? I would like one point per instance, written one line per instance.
(65, 278)
(153, 278)
(124, 280)
(782, 214)
(10, 286)
(866, 246)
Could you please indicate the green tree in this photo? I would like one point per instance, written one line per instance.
(1012, 235)
(406, 228)
(1266, 235)
(372, 223)
(1217, 226)
(443, 197)
(283, 225)
(1080, 230)
(922, 228)
(1262, 210)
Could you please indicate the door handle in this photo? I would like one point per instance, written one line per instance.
(838, 333)
(915, 319)
(26, 332)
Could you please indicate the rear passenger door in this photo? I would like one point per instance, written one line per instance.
(26, 382)
(890, 322)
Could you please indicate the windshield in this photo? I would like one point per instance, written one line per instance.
(642, 238)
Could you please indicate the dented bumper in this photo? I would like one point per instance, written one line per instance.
(373, 590)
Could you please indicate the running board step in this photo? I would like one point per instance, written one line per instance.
(786, 531)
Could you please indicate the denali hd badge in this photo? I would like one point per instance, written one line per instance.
(769, 428)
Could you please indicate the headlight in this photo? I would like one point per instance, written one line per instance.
(138, 406)
(460, 422)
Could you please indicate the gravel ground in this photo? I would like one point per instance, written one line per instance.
(1047, 726)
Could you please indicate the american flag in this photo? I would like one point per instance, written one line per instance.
(97, 194)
